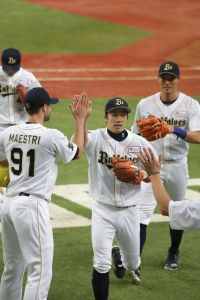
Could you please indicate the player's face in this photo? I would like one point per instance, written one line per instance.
(10, 73)
(116, 120)
(168, 84)
(47, 113)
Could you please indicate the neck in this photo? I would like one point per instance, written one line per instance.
(36, 119)
(169, 97)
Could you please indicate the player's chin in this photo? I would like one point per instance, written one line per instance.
(118, 129)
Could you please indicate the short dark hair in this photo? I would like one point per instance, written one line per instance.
(33, 111)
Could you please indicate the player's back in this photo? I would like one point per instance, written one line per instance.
(31, 153)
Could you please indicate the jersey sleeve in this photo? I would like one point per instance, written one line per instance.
(89, 147)
(134, 127)
(184, 214)
(62, 146)
(33, 82)
(194, 116)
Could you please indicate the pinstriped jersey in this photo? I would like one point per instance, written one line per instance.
(31, 151)
(12, 111)
(184, 113)
(104, 186)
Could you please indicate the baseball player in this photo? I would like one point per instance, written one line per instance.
(183, 214)
(14, 82)
(182, 114)
(115, 203)
(31, 150)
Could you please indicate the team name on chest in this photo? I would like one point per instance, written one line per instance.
(8, 89)
(105, 159)
(24, 139)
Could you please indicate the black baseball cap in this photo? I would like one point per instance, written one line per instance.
(11, 59)
(37, 97)
(169, 67)
(117, 103)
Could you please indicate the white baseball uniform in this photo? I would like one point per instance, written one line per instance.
(184, 214)
(184, 113)
(27, 240)
(115, 203)
(12, 111)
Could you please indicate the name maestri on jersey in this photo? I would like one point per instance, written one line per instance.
(24, 139)
(8, 90)
(105, 159)
(173, 122)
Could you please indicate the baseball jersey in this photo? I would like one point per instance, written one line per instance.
(184, 113)
(31, 151)
(103, 185)
(184, 214)
(12, 111)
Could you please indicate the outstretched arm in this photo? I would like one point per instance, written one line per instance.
(152, 167)
(80, 109)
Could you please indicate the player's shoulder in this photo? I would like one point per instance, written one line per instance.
(147, 100)
(27, 74)
(188, 98)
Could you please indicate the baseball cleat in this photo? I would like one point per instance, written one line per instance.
(118, 266)
(172, 262)
(134, 276)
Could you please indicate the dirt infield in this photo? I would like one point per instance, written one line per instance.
(130, 70)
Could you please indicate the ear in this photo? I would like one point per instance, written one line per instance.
(44, 108)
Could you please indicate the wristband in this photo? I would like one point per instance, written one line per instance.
(180, 132)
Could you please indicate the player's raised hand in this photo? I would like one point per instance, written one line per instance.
(151, 164)
(81, 106)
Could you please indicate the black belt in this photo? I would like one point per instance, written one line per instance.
(126, 206)
(27, 195)
(24, 194)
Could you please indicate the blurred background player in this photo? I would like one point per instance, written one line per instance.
(182, 113)
(14, 83)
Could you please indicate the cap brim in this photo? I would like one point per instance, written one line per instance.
(168, 73)
(54, 100)
(123, 107)
(8, 68)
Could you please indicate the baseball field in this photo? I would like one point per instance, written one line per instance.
(108, 48)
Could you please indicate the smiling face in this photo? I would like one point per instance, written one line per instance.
(168, 86)
(116, 120)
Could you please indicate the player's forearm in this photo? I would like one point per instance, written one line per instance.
(160, 194)
(78, 135)
(192, 137)
(85, 132)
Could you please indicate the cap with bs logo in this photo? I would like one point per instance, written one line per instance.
(11, 59)
(170, 68)
(117, 103)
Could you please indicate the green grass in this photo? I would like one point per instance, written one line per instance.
(71, 206)
(36, 29)
(72, 268)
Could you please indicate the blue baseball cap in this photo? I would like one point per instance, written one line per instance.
(169, 68)
(37, 97)
(117, 103)
(11, 59)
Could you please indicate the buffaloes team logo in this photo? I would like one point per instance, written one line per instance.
(11, 61)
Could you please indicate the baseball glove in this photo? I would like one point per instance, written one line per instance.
(125, 171)
(153, 128)
(4, 176)
(21, 90)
